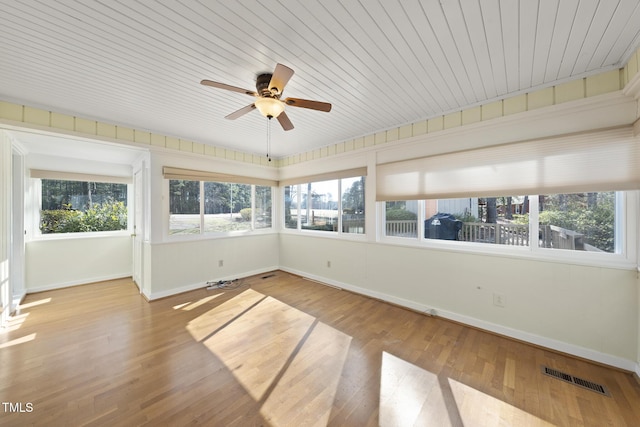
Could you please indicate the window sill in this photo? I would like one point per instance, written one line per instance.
(195, 237)
(79, 236)
(616, 261)
(326, 234)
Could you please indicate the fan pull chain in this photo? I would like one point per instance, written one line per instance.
(269, 138)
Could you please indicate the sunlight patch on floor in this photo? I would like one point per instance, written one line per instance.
(18, 341)
(34, 303)
(410, 395)
(257, 344)
(310, 383)
(478, 408)
(206, 324)
(201, 301)
(286, 360)
(14, 322)
(179, 306)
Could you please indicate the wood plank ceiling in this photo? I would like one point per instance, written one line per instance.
(381, 64)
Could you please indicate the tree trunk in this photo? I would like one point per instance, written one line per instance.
(492, 210)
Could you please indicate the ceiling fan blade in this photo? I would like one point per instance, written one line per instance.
(228, 87)
(241, 112)
(284, 121)
(306, 103)
(280, 78)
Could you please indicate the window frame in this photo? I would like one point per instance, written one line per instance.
(32, 224)
(626, 229)
(202, 235)
(320, 233)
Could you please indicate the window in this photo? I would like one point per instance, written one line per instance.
(319, 206)
(492, 220)
(207, 207)
(291, 206)
(70, 206)
(262, 216)
(334, 205)
(352, 198)
(578, 222)
(401, 219)
(184, 207)
(227, 207)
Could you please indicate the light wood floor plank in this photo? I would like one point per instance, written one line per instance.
(281, 351)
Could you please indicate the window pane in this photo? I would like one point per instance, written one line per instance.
(579, 221)
(496, 220)
(401, 218)
(263, 207)
(227, 207)
(319, 210)
(184, 207)
(76, 206)
(353, 205)
(291, 211)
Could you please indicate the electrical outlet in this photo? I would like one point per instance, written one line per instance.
(499, 300)
(328, 264)
(220, 263)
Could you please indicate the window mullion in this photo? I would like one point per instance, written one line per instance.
(422, 216)
(339, 213)
(253, 207)
(534, 223)
(202, 207)
(298, 203)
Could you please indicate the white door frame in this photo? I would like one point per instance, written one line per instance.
(17, 254)
(139, 229)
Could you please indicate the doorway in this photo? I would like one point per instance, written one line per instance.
(138, 227)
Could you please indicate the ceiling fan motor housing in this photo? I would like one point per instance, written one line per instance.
(262, 86)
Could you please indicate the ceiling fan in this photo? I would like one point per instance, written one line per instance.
(269, 88)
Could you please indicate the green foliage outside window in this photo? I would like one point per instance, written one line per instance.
(82, 206)
(590, 214)
(108, 216)
(396, 213)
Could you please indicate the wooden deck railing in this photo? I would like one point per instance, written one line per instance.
(404, 228)
(501, 234)
(550, 236)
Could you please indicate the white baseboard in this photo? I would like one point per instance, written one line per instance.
(85, 281)
(186, 288)
(550, 343)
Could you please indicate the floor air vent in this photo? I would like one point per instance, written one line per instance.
(590, 385)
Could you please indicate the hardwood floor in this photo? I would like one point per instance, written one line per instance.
(280, 351)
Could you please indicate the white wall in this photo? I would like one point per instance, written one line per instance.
(588, 311)
(56, 263)
(183, 266)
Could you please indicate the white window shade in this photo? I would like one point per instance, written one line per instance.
(596, 161)
(70, 176)
(195, 175)
(346, 173)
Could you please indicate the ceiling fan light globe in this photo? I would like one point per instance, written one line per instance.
(269, 107)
